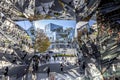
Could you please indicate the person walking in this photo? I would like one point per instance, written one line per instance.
(96, 52)
(54, 58)
(83, 67)
(6, 77)
(61, 67)
(85, 50)
(36, 64)
(48, 71)
(6, 71)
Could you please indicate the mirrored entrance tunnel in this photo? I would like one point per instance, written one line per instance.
(97, 45)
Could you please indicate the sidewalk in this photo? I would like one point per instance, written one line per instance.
(72, 74)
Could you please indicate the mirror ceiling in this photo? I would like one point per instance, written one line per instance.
(48, 9)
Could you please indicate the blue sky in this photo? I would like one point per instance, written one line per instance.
(91, 22)
(40, 23)
(24, 24)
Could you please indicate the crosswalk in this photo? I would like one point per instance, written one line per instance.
(44, 76)
(58, 76)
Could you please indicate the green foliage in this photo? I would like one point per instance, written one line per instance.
(42, 42)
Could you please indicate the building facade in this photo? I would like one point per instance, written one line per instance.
(53, 32)
(57, 35)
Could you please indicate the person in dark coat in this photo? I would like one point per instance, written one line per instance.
(36, 64)
(95, 50)
(61, 67)
(54, 58)
(6, 71)
(83, 66)
(48, 71)
(85, 50)
(79, 62)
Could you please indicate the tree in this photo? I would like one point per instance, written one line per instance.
(42, 41)
(79, 37)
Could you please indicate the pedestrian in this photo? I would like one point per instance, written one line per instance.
(54, 57)
(46, 57)
(48, 71)
(61, 67)
(85, 50)
(79, 61)
(36, 63)
(6, 71)
(83, 68)
(14, 59)
(96, 52)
